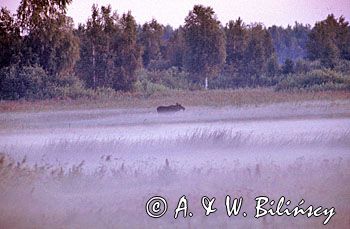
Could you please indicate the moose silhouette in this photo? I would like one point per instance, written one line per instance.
(171, 108)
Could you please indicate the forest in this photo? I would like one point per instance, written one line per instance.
(43, 55)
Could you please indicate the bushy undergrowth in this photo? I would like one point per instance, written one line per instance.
(160, 81)
(147, 88)
(99, 183)
(234, 81)
(51, 196)
(32, 83)
(324, 79)
(25, 82)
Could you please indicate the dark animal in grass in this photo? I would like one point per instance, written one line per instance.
(171, 108)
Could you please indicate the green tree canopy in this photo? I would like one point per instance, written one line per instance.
(236, 42)
(33, 13)
(10, 39)
(205, 43)
(49, 40)
(151, 41)
(329, 41)
(109, 53)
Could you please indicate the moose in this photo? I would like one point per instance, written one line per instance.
(171, 108)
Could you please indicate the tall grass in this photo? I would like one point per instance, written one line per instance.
(237, 97)
(41, 196)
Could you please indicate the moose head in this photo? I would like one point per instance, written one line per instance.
(179, 107)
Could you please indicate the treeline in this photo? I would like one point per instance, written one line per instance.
(42, 55)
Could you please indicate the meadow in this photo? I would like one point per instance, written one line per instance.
(216, 98)
(90, 164)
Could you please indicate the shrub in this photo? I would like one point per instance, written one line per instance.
(343, 66)
(72, 90)
(24, 82)
(159, 65)
(172, 78)
(153, 81)
(324, 79)
(175, 79)
(302, 67)
(234, 80)
(224, 81)
(32, 82)
(104, 93)
(147, 88)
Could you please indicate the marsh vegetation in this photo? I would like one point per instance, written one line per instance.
(98, 167)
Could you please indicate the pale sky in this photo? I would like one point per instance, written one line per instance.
(173, 12)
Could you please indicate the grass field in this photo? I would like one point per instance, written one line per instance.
(188, 98)
(94, 164)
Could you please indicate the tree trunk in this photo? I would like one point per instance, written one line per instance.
(93, 67)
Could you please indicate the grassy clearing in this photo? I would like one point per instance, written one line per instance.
(87, 183)
(56, 197)
(237, 97)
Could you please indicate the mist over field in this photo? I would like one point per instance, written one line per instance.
(260, 110)
(97, 168)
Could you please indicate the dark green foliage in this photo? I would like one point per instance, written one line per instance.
(126, 55)
(95, 64)
(10, 39)
(250, 54)
(25, 82)
(329, 55)
(34, 83)
(343, 66)
(329, 41)
(34, 13)
(50, 42)
(302, 66)
(236, 41)
(290, 43)
(171, 78)
(43, 56)
(175, 50)
(227, 79)
(316, 80)
(288, 67)
(150, 39)
(205, 44)
(152, 81)
(53, 46)
(109, 53)
(272, 66)
(259, 49)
